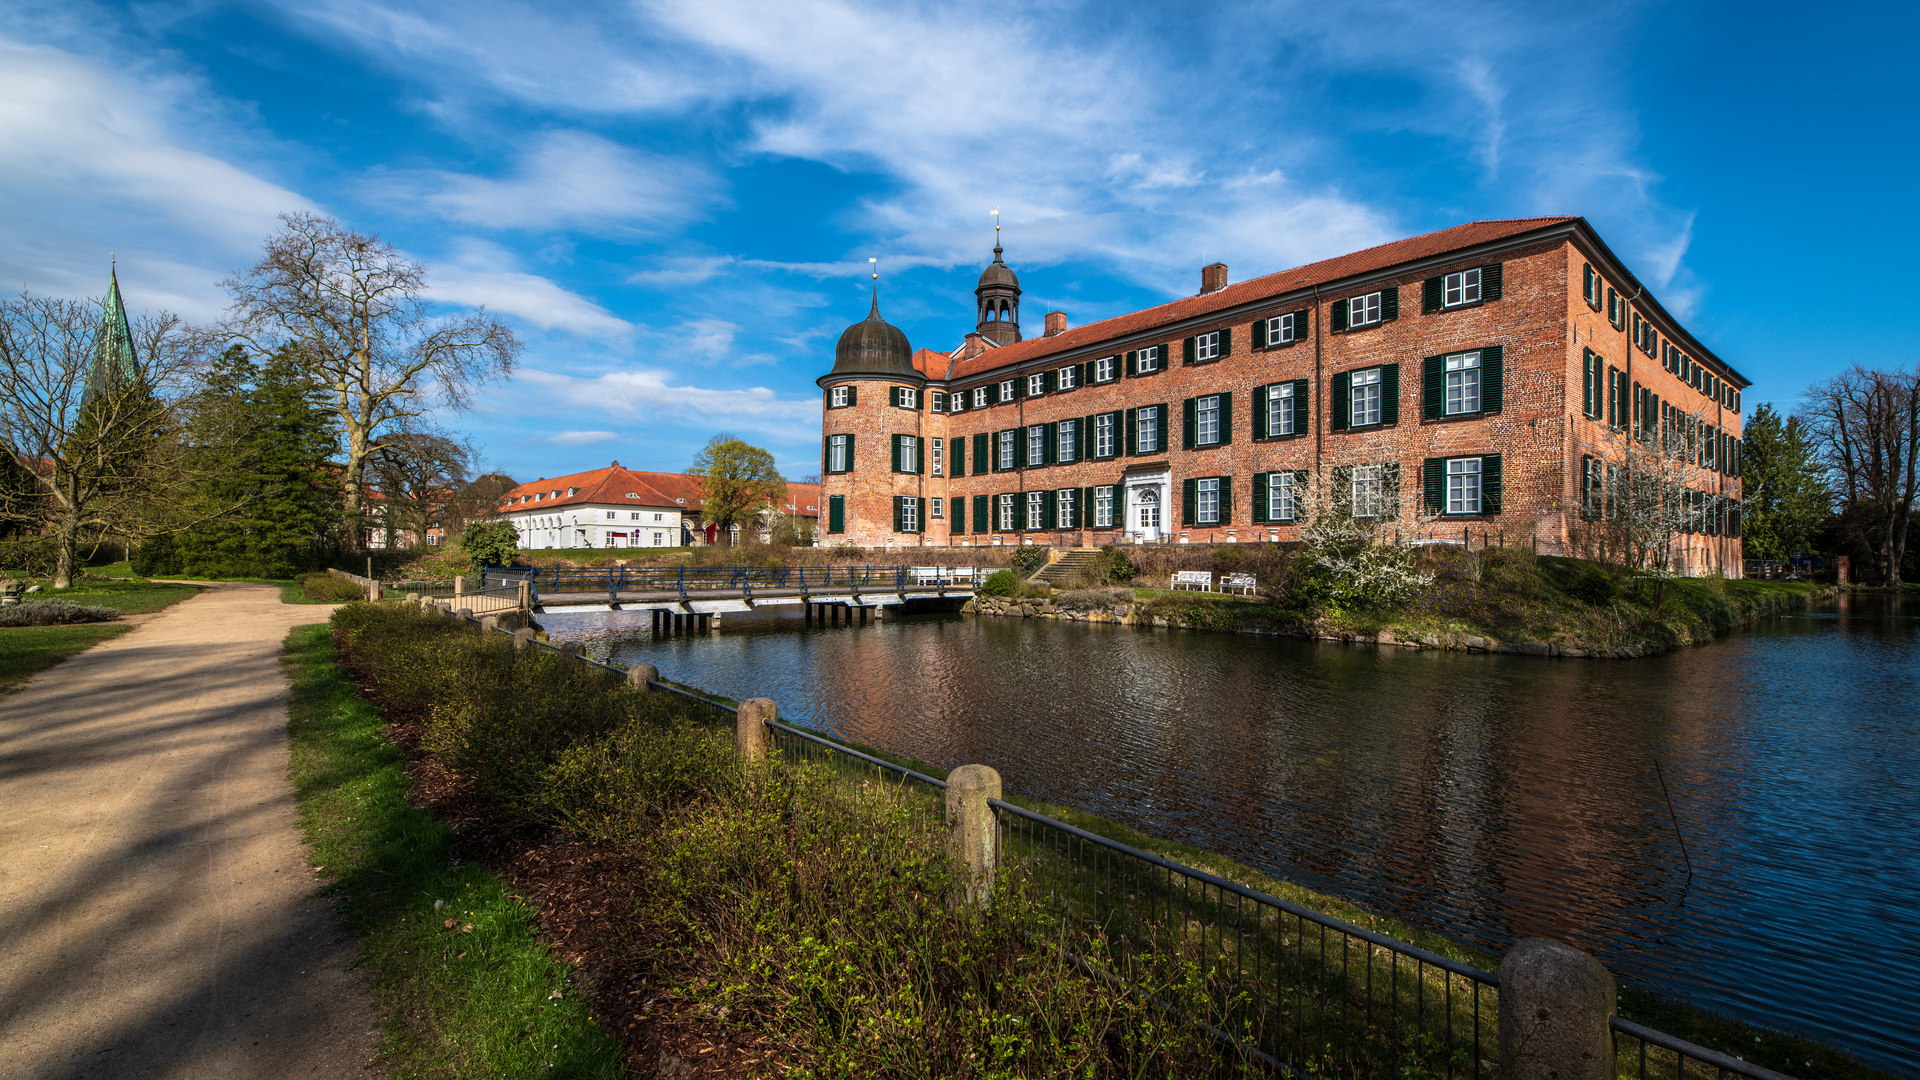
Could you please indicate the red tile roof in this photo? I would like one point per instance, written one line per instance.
(617, 486)
(1323, 272)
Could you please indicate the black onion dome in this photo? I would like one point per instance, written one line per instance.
(874, 346)
(997, 273)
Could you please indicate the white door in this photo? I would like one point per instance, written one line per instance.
(1146, 512)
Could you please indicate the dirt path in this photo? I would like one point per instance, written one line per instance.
(156, 917)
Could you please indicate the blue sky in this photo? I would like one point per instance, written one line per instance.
(674, 200)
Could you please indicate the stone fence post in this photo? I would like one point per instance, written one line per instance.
(640, 675)
(1555, 1004)
(750, 727)
(523, 638)
(973, 837)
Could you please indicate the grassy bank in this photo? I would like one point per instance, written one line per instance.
(25, 650)
(477, 998)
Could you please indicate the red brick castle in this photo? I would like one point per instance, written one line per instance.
(1483, 376)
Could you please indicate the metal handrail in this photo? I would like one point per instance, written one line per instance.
(852, 753)
(1724, 1062)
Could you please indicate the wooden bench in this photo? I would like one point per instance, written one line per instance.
(1238, 583)
(1192, 579)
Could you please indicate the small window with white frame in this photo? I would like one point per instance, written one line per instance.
(1036, 444)
(1036, 510)
(1006, 513)
(909, 398)
(1063, 508)
(839, 399)
(1147, 430)
(1463, 383)
(1147, 360)
(909, 513)
(1036, 384)
(1103, 369)
(1369, 490)
(979, 397)
(1068, 377)
(1103, 435)
(1463, 485)
(837, 454)
(1365, 397)
(1206, 420)
(1281, 329)
(908, 452)
(1066, 447)
(936, 458)
(1363, 310)
(936, 401)
(1206, 501)
(1206, 346)
(1281, 414)
(936, 508)
(1006, 390)
(1280, 496)
(1461, 288)
(1006, 448)
(1103, 507)
(957, 401)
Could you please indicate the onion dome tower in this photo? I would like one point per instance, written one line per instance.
(874, 347)
(873, 448)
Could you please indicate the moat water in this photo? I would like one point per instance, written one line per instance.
(1486, 797)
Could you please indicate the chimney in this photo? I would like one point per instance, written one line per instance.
(1213, 278)
(1056, 323)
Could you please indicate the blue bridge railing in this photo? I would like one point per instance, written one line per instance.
(691, 579)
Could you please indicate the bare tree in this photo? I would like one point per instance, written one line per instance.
(1866, 426)
(89, 407)
(416, 475)
(478, 500)
(1646, 490)
(355, 312)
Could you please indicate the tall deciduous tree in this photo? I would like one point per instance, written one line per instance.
(416, 473)
(90, 404)
(737, 481)
(1784, 492)
(354, 311)
(1865, 425)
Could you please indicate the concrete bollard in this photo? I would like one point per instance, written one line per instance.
(489, 623)
(459, 585)
(750, 727)
(523, 639)
(973, 838)
(1555, 1004)
(463, 613)
(639, 675)
(573, 650)
(413, 598)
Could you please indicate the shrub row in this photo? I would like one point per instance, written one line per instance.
(54, 613)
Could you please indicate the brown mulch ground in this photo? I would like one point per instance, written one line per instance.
(580, 895)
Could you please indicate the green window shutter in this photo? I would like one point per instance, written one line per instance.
(893, 396)
(1048, 509)
(1493, 378)
(919, 455)
(1187, 409)
(1432, 296)
(959, 523)
(1082, 438)
(1086, 374)
(1490, 484)
(1226, 418)
(982, 453)
(1053, 443)
(1433, 477)
(1188, 496)
(896, 513)
(895, 442)
(1586, 382)
(826, 454)
(1490, 282)
(1226, 341)
(1164, 414)
(1389, 393)
(853, 395)
(1259, 331)
(1433, 387)
(850, 457)
(982, 513)
(1260, 411)
(1188, 351)
(1339, 315)
(1300, 323)
(1131, 418)
(1342, 401)
(1049, 380)
(1020, 448)
(1133, 358)
(1226, 500)
(1302, 416)
(959, 455)
(836, 513)
(1390, 303)
(1260, 498)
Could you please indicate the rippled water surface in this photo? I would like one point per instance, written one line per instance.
(1488, 797)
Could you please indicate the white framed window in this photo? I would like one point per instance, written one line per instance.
(659, 517)
(611, 516)
(1036, 510)
(1103, 435)
(1280, 409)
(1068, 377)
(936, 458)
(1463, 486)
(1147, 430)
(1362, 310)
(1149, 508)
(1005, 518)
(1206, 346)
(1366, 397)
(1461, 288)
(909, 513)
(1206, 420)
(1036, 444)
(1463, 383)
(1036, 384)
(836, 453)
(1369, 490)
(979, 397)
(1280, 504)
(1006, 448)
(1103, 369)
(956, 401)
(1206, 501)
(1006, 390)
(1067, 446)
(909, 453)
(839, 397)
(936, 508)
(1063, 508)
(909, 398)
(1281, 329)
(936, 401)
(1148, 360)
(1103, 507)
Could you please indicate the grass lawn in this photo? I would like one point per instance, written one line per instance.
(482, 998)
(27, 649)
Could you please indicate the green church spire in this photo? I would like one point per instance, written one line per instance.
(114, 365)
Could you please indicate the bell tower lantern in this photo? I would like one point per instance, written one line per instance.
(998, 298)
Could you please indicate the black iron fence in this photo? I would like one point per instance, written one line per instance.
(684, 579)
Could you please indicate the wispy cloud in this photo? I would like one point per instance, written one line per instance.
(656, 396)
(478, 272)
(582, 438)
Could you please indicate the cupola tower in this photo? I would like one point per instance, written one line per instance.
(998, 296)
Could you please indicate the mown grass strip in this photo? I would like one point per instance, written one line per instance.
(463, 1002)
(25, 650)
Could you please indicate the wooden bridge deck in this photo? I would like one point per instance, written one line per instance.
(708, 601)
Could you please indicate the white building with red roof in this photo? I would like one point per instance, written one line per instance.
(617, 507)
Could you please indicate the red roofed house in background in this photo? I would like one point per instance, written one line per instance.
(1480, 378)
(616, 507)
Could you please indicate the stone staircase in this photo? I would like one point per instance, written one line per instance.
(1066, 567)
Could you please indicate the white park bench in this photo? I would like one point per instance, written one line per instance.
(1238, 583)
(927, 575)
(1193, 579)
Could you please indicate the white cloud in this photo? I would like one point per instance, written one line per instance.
(482, 273)
(655, 396)
(582, 438)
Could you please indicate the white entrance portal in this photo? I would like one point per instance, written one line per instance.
(1146, 508)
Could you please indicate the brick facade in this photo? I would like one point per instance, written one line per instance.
(1532, 327)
